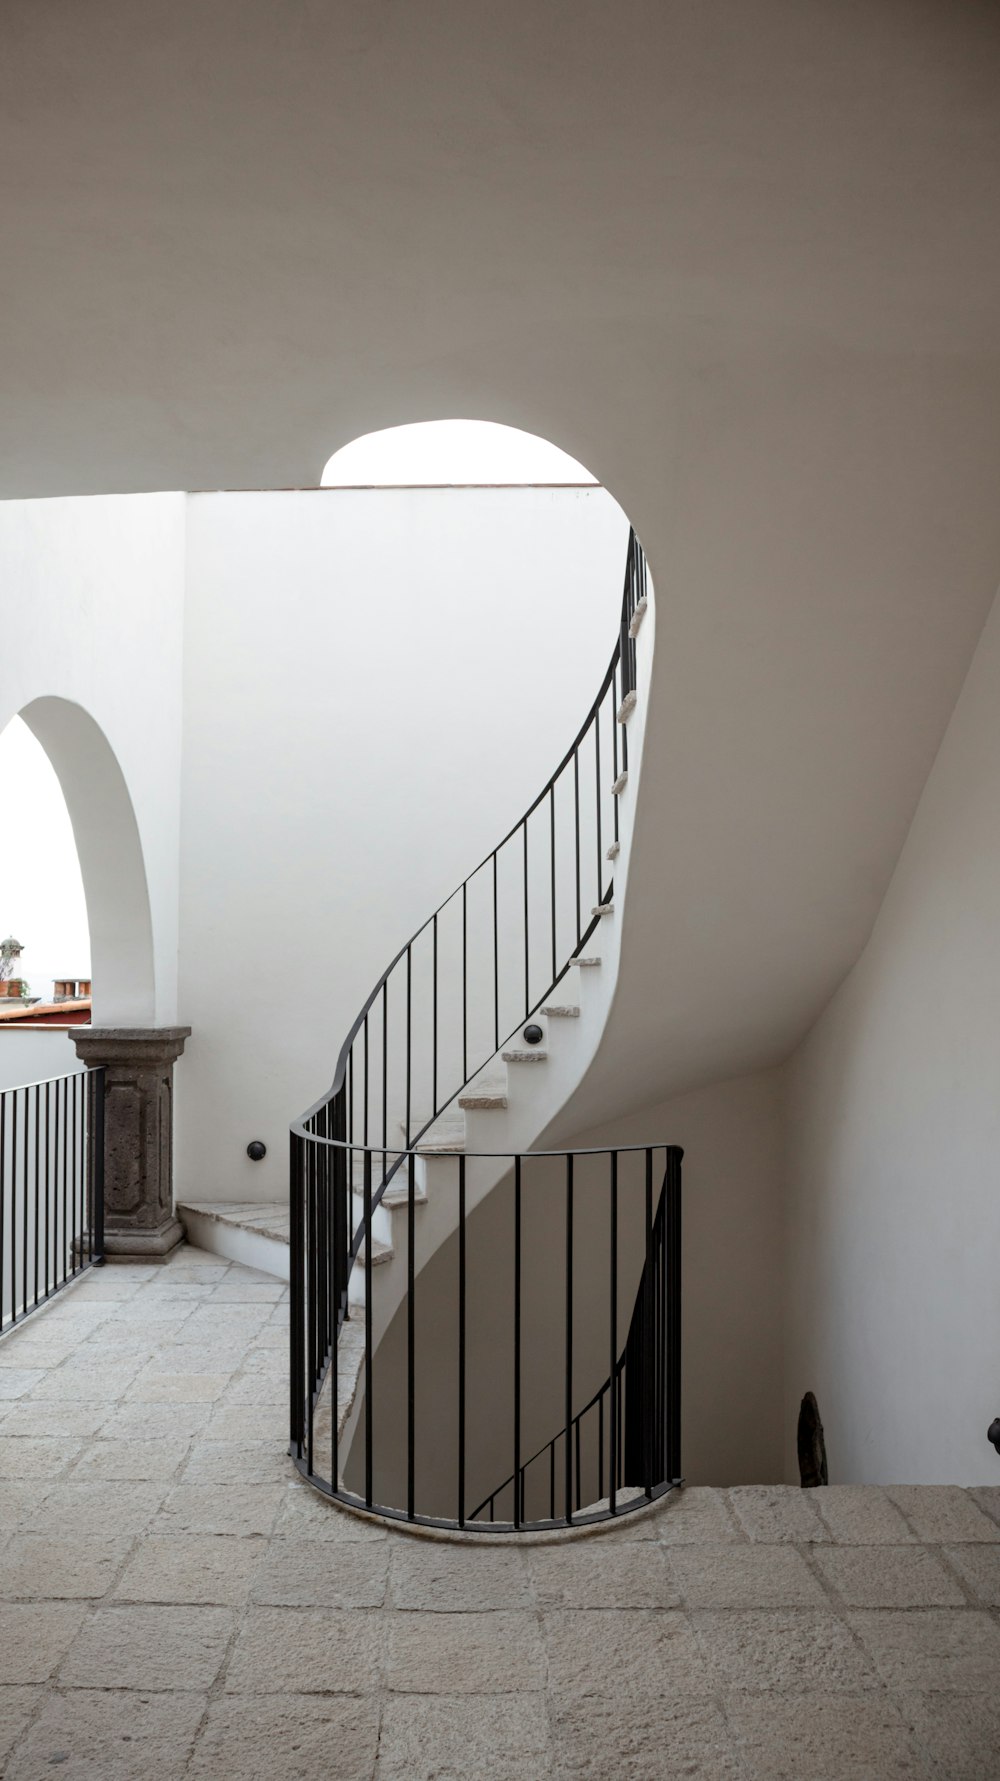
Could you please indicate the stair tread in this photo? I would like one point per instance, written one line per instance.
(638, 616)
(562, 1010)
(614, 850)
(626, 707)
(620, 784)
(531, 1055)
(381, 1252)
(594, 960)
(603, 909)
(483, 1101)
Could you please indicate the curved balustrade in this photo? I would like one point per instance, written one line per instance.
(481, 965)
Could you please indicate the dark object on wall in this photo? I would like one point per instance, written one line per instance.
(811, 1445)
(533, 1035)
(993, 1433)
(256, 1151)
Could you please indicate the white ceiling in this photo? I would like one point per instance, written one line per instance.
(740, 258)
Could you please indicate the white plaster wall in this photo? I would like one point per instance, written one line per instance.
(894, 1146)
(92, 602)
(377, 683)
(35, 1056)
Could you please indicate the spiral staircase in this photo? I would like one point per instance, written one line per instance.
(453, 1072)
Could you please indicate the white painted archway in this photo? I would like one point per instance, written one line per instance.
(111, 860)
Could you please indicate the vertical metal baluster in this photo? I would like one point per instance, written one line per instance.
(334, 1179)
(613, 1320)
(364, 1129)
(13, 1210)
(576, 809)
(568, 1481)
(576, 1426)
(517, 1341)
(63, 1253)
(496, 960)
(369, 1421)
(434, 1026)
(648, 1403)
(409, 1037)
(552, 853)
(597, 775)
(465, 982)
(410, 1339)
(47, 1196)
(97, 1185)
(552, 1480)
(295, 1297)
(527, 965)
(385, 1078)
(461, 1341)
(38, 1105)
(674, 1309)
(600, 1447)
(3, 1196)
(311, 1302)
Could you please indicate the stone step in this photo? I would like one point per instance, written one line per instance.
(620, 784)
(483, 1101)
(586, 964)
(637, 617)
(531, 1055)
(614, 850)
(626, 707)
(603, 909)
(561, 1011)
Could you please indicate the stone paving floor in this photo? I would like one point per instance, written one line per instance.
(175, 1602)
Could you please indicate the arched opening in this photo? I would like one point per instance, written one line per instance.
(111, 867)
(453, 453)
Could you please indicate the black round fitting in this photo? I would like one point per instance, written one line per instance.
(533, 1035)
(993, 1433)
(256, 1151)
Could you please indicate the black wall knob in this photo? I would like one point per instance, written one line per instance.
(533, 1035)
(256, 1151)
(993, 1433)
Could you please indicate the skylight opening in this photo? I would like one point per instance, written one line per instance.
(452, 454)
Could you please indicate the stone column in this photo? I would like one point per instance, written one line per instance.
(138, 1135)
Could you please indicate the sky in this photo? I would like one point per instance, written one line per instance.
(41, 891)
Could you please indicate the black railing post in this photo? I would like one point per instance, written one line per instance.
(673, 1270)
(97, 1183)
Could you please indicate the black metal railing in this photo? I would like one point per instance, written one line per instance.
(487, 959)
(574, 1242)
(51, 1188)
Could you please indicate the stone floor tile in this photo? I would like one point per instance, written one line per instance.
(18, 1502)
(979, 1566)
(251, 1462)
(797, 1651)
(889, 1577)
(83, 1511)
(243, 1509)
(177, 1388)
(24, 1457)
(591, 1574)
(318, 1574)
(105, 1286)
(260, 1292)
(988, 1498)
(273, 1361)
(772, 1513)
(264, 1389)
(307, 1651)
(437, 1737)
(196, 1357)
(458, 1578)
(76, 1420)
(694, 1516)
(640, 1737)
(735, 1576)
(199, 1568)
(958, 1735)
(132, 1459)
(825, 1737)
(96, 1382)
(607, 1650)
(150, 1422)
(932, 1648)
(305, 1515)
(943, 1513)
(148, 1648)
(247, 1422)
(19, 1350)
(861, 1515)
(42, 1567)
(15, 1381)
(306, 1736)
(106, 1736)
(497, 1653)
(35, 1636)
(16, 1708)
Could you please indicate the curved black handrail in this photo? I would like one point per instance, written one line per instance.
(395, 1055)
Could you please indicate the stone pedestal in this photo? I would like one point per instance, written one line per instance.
(138, 1135)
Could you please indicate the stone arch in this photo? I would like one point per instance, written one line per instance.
(111, 859)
